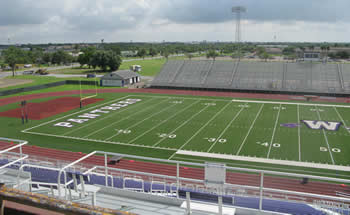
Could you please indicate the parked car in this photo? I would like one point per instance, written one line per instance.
(29, 72)
(90, 75)
(28, 66)
(41, 72)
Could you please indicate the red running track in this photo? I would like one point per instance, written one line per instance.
(42, 110)
(186, 172)
(11, 100)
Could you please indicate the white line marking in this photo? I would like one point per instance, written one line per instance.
(133, 140)
(107, 116)
(252, 125)
(264, 160)
(325, 136)
(289, 103)
(224, 131)
(74, 113)
(138, 123)
(299, 146)
(341, 118)
(255, 101)
(274, 131)
(98, 141)
(128, 117)
(235, 164)
(182, 125)
(200, 129)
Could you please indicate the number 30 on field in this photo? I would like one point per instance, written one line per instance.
(324, 149)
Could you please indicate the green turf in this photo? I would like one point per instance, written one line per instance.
(158, 126)
(149, 67)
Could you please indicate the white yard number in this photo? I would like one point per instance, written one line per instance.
(212, 140)
(277, 108)
(324, 149)
(123, 131)
(266, 144)
(171, 136)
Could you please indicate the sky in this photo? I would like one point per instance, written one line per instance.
(83, 21)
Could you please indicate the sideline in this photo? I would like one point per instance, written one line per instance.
(265, 160)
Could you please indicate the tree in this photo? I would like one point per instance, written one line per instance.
(265, 56)
(342, 55)
(212, 54)
(47, 58)
(153, 52)
(142, 53)
(13, 56)
(114, 61)
(114, 48)
(60, 57)
(105, 59)
(165, 53)
(86, 57)
(189, 56)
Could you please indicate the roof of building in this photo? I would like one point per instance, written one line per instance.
(120, 75)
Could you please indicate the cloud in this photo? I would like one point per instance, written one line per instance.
(39, 21)
(208, 11)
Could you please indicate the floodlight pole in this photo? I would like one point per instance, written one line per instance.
(238, 10)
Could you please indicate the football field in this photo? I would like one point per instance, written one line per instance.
(306, 132)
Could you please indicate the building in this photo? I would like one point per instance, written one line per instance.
(312, 56)
(136, 68)
(120, 78)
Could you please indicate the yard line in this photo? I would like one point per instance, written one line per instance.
(28, 129)
(325, 136)
(142, 121)
(341, 118)
(207, 123)
(251, 127)
(107, 116)
(223, 132)
(299, 146)
(133, 140)
(274, 131)
(140, 111)
(97, 141)
(181, 125)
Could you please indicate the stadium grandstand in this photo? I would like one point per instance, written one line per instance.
(266, 77)
(36, 180)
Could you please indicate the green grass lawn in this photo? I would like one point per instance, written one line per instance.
(37, 80)
(74, 70)
(150, 67)
(159, 126)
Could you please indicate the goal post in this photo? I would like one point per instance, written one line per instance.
(82, 97)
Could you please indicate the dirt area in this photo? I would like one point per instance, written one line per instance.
(13, 82)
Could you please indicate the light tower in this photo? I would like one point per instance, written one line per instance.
(238, 10)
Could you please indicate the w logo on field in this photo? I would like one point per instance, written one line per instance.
(318, 125)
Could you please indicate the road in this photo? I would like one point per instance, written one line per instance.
(6, 74)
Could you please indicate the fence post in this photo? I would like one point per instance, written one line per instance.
(261, 190)
(188, 203)
(220, 205)
(106, 171)
(177, 179)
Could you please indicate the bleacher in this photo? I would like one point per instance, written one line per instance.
(304, 78)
